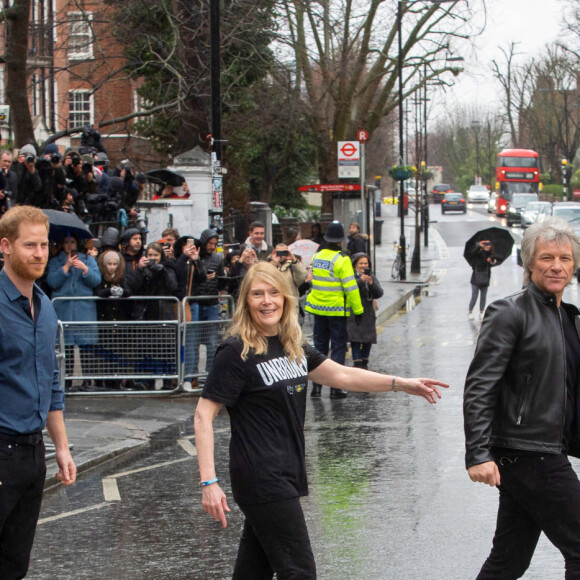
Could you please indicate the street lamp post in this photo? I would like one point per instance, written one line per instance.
(402, 240)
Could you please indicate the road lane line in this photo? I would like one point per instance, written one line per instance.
(111, 489)
(150, 467)
(187, 446)
(73, 513)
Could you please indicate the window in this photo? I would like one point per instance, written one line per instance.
(80, 35)
(80, 109)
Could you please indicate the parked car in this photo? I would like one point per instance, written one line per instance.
(453, 202)
(517, 205)
(439, 191)
(492, 202)
(478, 194)
(535, 211)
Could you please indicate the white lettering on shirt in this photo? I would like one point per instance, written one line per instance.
(280, 369)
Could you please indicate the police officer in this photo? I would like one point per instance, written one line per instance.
(333, 296)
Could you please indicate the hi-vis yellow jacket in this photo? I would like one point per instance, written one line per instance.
(334, 288)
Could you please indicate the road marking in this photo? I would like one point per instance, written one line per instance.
(187, 446)
(73, 513)
(111, 489)
(150, 467)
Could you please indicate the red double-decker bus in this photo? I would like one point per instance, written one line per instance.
(517, 171)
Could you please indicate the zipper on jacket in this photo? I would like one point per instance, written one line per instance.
(523, 403)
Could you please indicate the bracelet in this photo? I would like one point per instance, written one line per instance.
(208, 482)
(394, 386)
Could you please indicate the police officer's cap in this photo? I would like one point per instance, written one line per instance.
(334, 233)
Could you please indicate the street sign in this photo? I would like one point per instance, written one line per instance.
(5, 114)
(362, 136)
(348, 159)
(330, 187)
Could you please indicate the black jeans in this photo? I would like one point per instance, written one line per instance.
(22, 473)
(538, 493)
(275, 539)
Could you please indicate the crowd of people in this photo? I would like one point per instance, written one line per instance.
(120, 265)
(80, 181)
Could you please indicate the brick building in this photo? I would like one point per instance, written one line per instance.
(76, 79)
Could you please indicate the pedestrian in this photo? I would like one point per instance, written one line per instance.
(257, 242)
(205, 304)
(29, 386)
(261, 375)
(521, 410)
(316, 234)
(364, 335)
(73, 274)
(483, 260)
(333, 296)
(357, 242)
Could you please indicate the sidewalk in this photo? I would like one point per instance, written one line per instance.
(111, 428)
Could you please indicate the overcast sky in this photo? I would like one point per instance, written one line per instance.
(532, 23)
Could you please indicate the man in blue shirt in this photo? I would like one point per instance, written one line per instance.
(29, 387)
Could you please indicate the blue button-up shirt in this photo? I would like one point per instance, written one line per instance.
(29, 384)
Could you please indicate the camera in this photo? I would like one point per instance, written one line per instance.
(367, 271)
(30, 159)
(282, 253)
(75, 161)
(87, 167)
(151, 262)
(55, 159)
(166, 245)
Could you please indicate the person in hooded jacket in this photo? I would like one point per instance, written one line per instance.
(132, 249)
(207, 309)
(364, 335)
(159, 279)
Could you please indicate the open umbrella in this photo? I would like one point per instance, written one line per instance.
(165, 176)
(63, 225)
(304, 248)
(500, 238)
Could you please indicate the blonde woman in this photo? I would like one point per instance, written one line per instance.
(260, 374)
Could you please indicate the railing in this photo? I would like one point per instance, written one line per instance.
(139, 354)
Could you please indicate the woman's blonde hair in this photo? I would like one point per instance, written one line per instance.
(244, 327)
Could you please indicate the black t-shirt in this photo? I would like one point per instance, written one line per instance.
(572, 362)
(265, 396)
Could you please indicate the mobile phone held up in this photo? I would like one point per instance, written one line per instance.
(367, 271)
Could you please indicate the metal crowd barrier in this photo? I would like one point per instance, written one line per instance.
(137, 355)
(200, 331)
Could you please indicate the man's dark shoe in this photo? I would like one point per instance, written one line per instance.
(338, 394)
(316, 390)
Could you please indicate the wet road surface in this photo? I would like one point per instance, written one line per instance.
(389, 494)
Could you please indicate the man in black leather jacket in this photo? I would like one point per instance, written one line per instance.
(521, 407)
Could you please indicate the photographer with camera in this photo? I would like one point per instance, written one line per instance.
(10, 192)
(29, 182)
(290, 266)
(79, 175)
(52, 175)
(362, 336)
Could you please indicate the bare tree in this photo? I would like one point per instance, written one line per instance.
(345, 56)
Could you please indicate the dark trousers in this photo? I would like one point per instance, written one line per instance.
(360, 350)
(538, 493)
(22, 473)
(482, 291)
(275, 539)
(331, 330)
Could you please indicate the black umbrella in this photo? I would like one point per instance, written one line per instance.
(500, 238)
(63, 225)
(165, 176)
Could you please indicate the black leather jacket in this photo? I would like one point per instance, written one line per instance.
(515, 391)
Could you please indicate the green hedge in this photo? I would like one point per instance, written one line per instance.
(553, 189)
